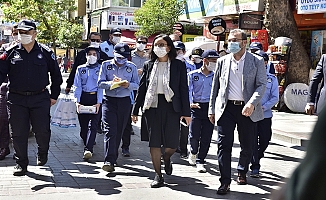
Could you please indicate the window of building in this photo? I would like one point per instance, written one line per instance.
(124, 3)
(135, 3)
(99, 3)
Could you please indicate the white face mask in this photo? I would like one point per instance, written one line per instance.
(115, 39)
(211, 66)
(95, 44)
(198, 60)
(160, 51)
(91, 59)
(140, 47)
(24, 38)
(15, 37)
(180, 56)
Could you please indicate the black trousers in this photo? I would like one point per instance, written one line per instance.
(225, 127)
(26, 110)
(184, 133)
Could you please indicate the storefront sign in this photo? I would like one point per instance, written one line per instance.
(216, 26)
(311, 6)
(112, 19)
(221, 7)
(188, 38)
(250, 21)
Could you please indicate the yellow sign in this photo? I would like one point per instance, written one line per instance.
(188, 38)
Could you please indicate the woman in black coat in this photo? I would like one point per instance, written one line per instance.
(164, 99)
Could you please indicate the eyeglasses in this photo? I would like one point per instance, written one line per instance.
(235, 40)
(95, 40)
(141, 42)
(160, 45)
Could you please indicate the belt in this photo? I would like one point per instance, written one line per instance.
(90, 92)
(26, 93)
(236, 102)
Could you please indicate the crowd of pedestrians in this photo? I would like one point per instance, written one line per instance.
(179, 98)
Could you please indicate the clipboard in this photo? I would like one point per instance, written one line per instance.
(117, 84)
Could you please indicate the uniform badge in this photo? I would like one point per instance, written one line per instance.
(269, 80)
(196, 78)
(109, 67)
(106, 49)
(53, 56)
(83, 71)
(128, 69)
(97, 72)
(122, 49)
(40, 56)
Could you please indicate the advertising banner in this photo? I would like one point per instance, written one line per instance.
(226, 7)
(311, 6)
(316, 47)
(123, 20)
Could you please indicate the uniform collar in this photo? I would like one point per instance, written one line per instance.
(36, 46)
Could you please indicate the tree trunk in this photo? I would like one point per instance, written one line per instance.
(280, 22)
(54, 46)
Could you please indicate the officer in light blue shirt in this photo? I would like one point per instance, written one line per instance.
(196, 60)
(116, 102)
(264, 127)
(87, 93)
(201, 129)
(114, 38)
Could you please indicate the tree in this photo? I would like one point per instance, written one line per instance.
(157, 16)
(68, 33)
(50, 14)
(280, 22)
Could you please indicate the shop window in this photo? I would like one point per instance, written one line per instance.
(135, 3)
(99, 3)
(106, 3)
(124, 3)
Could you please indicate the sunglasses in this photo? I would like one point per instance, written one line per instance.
(95, 40)
(141, 42)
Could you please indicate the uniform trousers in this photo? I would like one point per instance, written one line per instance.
(23, 111)
(115, 114)
(88, 122)
(4, 123)
(225, 127)
(263, 134)
(201, 130)
(184, 137)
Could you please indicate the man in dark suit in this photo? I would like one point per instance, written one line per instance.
(238, 85)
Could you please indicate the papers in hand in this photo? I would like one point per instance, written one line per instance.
(87, 109)
(117, 84)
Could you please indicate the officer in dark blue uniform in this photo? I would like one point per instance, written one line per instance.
(27, 64)
(201, 130)
(116, 101)
(88, 94)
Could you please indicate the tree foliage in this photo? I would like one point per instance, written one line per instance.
(49, 15)
(157, 16)
(67, 34)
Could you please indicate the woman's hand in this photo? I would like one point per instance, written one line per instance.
(97, 107)
(187, 119)
(134, 118)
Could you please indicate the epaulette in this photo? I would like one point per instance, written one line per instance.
(45, 47)
(81, 66)
(15, 45)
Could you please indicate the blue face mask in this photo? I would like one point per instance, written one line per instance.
(120, 61)
(234, 47)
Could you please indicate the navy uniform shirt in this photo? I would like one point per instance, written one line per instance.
(86, 81)
(200, 86)
(126, 72)
(29, 72)
(107, 47)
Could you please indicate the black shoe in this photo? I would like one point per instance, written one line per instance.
(125, 153)
(42, 159)
(157, 182)
(168, 167)
(4, 152)
(183, 155)
(241, 179)
(19, 171)
(223, 189)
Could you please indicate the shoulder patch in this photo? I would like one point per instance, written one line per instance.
(196, 78)
(53, 56)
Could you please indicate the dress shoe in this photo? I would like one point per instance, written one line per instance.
(157, 182)
(168, 167)
(242, 179)
(125, 153)
(19, 171)
(42, 159)
(223, 189)
(254, 173)
(108, 167)
(4, 152)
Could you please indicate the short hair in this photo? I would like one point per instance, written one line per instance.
(172, 53)
(94, 33)
(14, 27)
(141, 37)
(236, 31)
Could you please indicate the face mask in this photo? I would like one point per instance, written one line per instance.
(95, 44)
(160, 51)
(140, 47)
(234, 47)
(15, 37)
(211, 66)
(24, 38)
(180, 56)
(198, 60)
(91, 59)
(115, 39)
(120, 61)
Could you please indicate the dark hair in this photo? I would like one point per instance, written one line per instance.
(172, 53)
(94, 33)
(141, 38)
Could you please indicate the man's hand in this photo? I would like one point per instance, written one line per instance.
(310, 109)
(195, 105)
(187, 119)
(140, 71)
(134, 118)
(212, 118)
(78, 105)
(248, 109)
(53, 101)
(67, 90)
(125, 84)
(97, 107)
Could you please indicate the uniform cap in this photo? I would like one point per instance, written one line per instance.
(210, 54)
(179, 45)
(196, 52)
(26, 25)
(262, 54)
(90, 47)
(122, 50)
(256, 45)
(115, 31)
